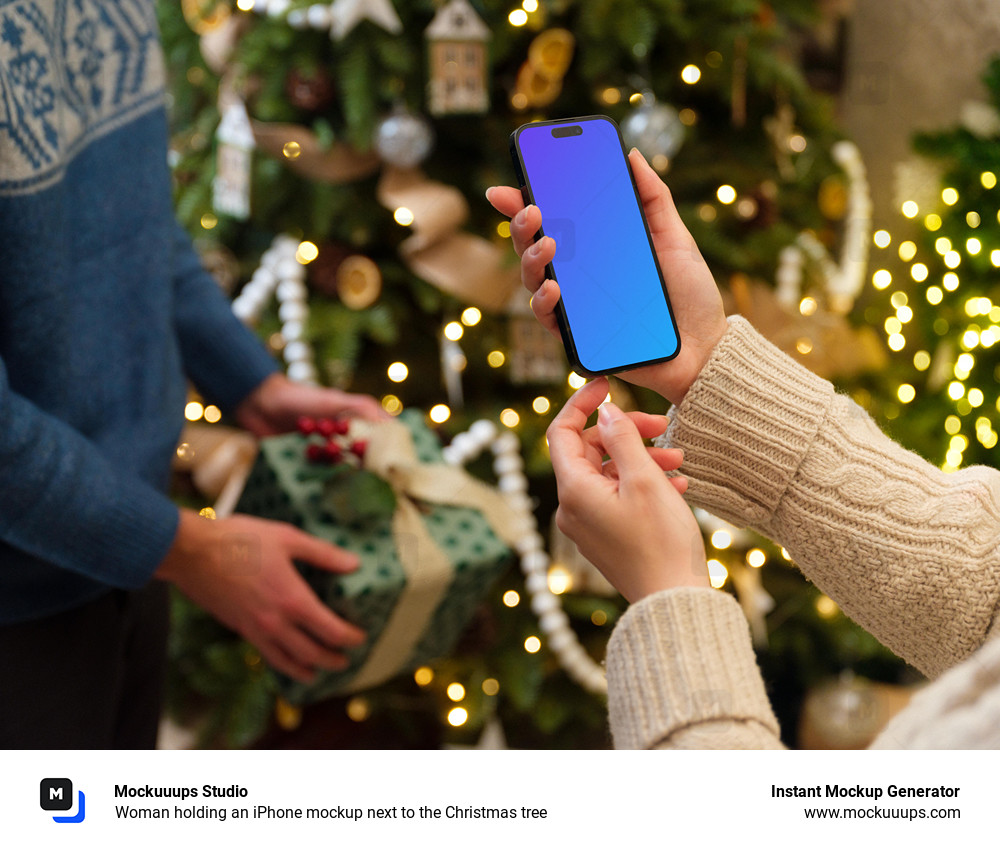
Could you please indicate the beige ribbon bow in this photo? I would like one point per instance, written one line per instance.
(391, 456)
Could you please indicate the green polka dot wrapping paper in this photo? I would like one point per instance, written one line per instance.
(416, 587)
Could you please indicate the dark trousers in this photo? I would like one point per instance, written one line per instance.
(90, 678)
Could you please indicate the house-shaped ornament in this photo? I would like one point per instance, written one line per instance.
(457, 49)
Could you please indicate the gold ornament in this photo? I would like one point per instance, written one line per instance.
(359, 282)
(539, 81)
(204, 15)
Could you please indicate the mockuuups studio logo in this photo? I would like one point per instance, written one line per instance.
(56, 795)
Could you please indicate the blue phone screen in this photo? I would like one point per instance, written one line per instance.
(612, 292)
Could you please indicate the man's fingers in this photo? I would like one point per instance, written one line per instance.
(319, 553)
(679, 483)
(281, 660)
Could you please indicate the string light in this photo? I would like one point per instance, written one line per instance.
(245, 5)
(881, 279)
(721, 539)
(454, 331)
(530, 5)
(975, 397)
(392, 405)
(688, 117)
(358, 709)
(950, 281)
(942, 245)
(949, 196)
(423, 676)
(756, 558)
(952, 259)
(882, 238)
(518, 18)
(193, 411)
(797, 143)
(896, 342)
(306, 252)
(807, 306)
(440, 413)
(893, 325)
(598, 617)
(932, 222)
(575, 381)
(910, 209)
(212, 414)
(291, 150)
(541, 405)
(559, 579)
(511, 598)
(919, 272)
(904, 314)
(906, 393)
(458, 715)
(471, 316)
(826, 607)
(691, 74)
(921, 361)
(208, 513)
(973, 246)
(455, 692)
(491, 687)
(397, 372)
(726, 194)
(907, 250)
(510, 417)
(934, 295)
(972, 218)
(717, 573)
(988, 179)
(503, 229)
(403, 216)
(532, 644)
(952, 424)
(496, 358)
(956, 390)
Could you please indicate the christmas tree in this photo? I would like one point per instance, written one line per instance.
(353, 143)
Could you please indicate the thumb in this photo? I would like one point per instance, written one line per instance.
(321, 554)
(622, 441)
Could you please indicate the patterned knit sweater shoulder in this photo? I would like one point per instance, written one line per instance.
(909, 552)
(103, 306)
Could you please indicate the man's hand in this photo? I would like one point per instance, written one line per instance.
(276, 405)
(694, 296)
(240, 570)
(626, 517)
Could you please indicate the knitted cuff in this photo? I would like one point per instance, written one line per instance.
(680, 658)
(745, 425)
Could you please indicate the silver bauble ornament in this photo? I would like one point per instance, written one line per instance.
(655, 129)
(404, 139)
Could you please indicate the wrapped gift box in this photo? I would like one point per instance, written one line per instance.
(417, 587)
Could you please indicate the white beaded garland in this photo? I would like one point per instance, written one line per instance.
(281, 275)
(546, 605)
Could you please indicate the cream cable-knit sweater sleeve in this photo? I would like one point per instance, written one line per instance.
(909, 552)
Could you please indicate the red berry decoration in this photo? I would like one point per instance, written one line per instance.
(305, 425)
(358, 447)
(333, 452)
(315, 453)
(326, 427)
(341, 426)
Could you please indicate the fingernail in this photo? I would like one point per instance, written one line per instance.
(488, 193)
(607, 413)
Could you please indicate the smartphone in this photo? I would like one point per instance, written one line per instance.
(614, 313)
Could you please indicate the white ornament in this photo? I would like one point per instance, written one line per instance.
(559, 635)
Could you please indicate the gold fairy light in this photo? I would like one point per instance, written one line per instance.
(949, 196)
(907, 250)
(882, 238)
(717, 573)
(439, 413)
(910, 209)
(934, 295)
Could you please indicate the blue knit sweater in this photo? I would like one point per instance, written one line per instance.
(104, 306)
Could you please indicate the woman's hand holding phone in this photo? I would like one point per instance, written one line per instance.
(694, 296)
